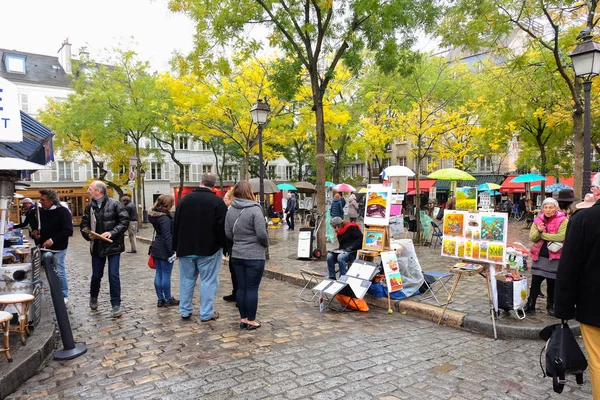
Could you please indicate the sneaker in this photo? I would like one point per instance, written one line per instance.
(230, 298)
(172, 302)
(66, 300)
(132, 251)
(117, 311)
(94, 303)
(161, 303)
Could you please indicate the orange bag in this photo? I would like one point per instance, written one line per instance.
(353, 304)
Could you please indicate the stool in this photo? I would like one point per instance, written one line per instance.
(439, 279)
(21, 302)
(309, 276)
(5, 318)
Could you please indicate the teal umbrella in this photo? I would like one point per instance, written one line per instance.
(286, 186)
(329, 184)
(528, 178)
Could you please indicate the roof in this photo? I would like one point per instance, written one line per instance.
(444, 186)
(509, 187)
(36, 145)
(39, 69)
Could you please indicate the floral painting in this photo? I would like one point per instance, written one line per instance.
(454, 224)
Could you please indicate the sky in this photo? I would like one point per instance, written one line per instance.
(41, 26)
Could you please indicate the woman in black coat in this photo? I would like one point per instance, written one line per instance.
(162, 248)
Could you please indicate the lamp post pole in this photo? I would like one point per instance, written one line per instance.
(587, 147)
(145, 212)
(260, 113)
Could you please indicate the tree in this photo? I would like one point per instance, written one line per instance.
(314, 36)
(553, 25)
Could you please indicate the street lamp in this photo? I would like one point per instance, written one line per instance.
(143, 178)
(260, 113)
(586, 63)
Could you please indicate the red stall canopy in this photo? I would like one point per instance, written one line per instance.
(509, 187)
(424, 185)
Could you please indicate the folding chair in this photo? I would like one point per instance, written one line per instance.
(309, 277)
(436, 235)
(439, 281)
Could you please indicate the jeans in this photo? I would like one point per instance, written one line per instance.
(162, 279)
(289, 219)
(208, 268)
(62, 271)
(342, 259)
(233, 278)
(249, 274)
(113, 277)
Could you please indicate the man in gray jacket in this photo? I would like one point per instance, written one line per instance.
(133, 222)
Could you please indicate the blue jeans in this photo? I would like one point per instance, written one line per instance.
(342, 259)
(248, 274)
(62, 271)
(113, 277)
(162, 279)
(208, 268)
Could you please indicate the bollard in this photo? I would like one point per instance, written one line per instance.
(70, 349)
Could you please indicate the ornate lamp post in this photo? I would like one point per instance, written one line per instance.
(586, 63)
(260, 113)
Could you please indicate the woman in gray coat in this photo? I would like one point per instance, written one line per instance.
(245, 225)
(353, 208)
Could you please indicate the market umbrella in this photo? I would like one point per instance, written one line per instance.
(286, 186)
(270, 186)
(451, 174)
(528, 178)
(363, 190)
(329, 184)
(344, 187)
(304, 187)
(486, 187)
(396, 170)
(555, 187)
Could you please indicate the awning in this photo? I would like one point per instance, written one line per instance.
(444, 186)
(509, 187)
(424, 185)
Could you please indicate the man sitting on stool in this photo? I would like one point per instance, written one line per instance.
(350, 239)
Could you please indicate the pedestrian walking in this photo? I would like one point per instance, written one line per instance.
(547, 234)
(198, 240)
(29, 209)
(108, 218)
(162, 249)
(228, 199)
(353, 208)
(565, 199)
(337, 208)
(290, 209)
(245, 226)
(53, 231)
(133, 222)
(578, 278)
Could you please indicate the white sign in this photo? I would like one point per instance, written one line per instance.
(10, 116)
(131, 184)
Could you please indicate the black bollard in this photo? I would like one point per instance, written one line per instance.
(70, 349)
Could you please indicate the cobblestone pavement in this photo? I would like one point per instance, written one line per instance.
(299, 352)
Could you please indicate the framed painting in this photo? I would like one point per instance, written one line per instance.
(374, 239)
(378, 205)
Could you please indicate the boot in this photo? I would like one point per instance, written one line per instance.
(550, 311)
(530, 306)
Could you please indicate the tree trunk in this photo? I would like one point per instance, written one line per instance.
(418, 190)
(320, 158)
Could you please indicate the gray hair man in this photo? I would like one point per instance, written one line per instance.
(107, 219)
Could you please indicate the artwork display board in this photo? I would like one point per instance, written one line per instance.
(378, 205)
(374, 239)
(485, 200)
(479, 236)
(359, 286)
(362, 269)
(391, 271)
(466, 198)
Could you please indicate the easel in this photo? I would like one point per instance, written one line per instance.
(483, 271)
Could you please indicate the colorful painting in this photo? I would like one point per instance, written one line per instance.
(492, 228)
(391, 271)
(449, 247)
(476, 235)
(483, 251)
(495, 252)
(454, 224)
(475, 250)
(378, 205)
(466, 198)
(461, 249)
(469, 249)
(374, 239)
(468, 233)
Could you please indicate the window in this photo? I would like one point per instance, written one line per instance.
(65, 171)
(228, 173)
(153, 143)
(206, 169)
(98, 169)
(289, 172)
(186, 172)
(387, 162)
(23, 102)
(203, 145)
(402, 161)
(388, 147)
(183, 143)
(485, 164)
(272, 174)
(156, 171)
(15, 63)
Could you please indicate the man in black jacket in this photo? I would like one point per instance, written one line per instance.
(53, 232)
(108, 218)
(290, 209)
(198, 240)
(133, 222)
(350, 239)
(578, 278)
(29, 209)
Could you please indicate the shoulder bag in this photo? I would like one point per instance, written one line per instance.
(151, 261)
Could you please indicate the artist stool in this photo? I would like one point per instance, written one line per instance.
(21, 302)
(5, 318)
(309, 277)
(439, 281)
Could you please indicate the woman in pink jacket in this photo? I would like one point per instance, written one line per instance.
(547, 234)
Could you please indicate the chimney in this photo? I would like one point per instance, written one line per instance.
(84, 56)
(64, 56)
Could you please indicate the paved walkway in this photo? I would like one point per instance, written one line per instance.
(298, 353)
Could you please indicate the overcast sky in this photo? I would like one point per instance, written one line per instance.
(40, 26)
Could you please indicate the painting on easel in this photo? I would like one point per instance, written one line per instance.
(378, 205)
(392, 271)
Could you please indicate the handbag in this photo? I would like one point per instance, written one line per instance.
(151, 261)
(563, 355)
(555, 246)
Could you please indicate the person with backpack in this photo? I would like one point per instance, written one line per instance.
(337, 208)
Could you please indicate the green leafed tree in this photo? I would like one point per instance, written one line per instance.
(313, 36)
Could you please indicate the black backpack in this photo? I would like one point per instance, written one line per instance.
(563, 355)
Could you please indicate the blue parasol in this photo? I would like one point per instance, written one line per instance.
(286, 186)
(528, 178)
(329, 184)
